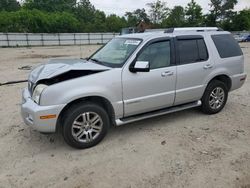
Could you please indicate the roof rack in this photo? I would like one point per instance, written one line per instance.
(197, 29)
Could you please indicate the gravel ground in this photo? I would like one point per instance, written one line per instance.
(184, 149)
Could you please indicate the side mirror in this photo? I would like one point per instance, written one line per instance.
(140, 66)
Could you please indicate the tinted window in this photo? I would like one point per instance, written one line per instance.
(157, 54)
(192, 50)
(202, 50)
(226, 45)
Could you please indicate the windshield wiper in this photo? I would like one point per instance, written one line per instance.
(97, 61)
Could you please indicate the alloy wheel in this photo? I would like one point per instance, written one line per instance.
(216, 98)
(87, 127)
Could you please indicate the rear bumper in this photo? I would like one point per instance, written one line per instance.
(238, 80)
(32, 114)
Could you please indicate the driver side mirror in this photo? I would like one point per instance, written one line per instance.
(140, 66)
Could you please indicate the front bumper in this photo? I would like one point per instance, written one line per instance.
(32, 114)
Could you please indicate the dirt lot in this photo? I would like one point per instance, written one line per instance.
(184, 149)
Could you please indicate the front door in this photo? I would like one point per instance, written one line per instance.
(148, 91)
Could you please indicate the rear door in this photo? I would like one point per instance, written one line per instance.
(193, 67)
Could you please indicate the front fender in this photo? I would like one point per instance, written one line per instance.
(105, 84)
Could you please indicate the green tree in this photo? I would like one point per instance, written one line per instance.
(241, 21)
(194, 14)
(85, 11)
(158, 11)
(176, 18)
(36, 21)
(99, 24)
(115, 23)
(50, 5)
(136, 16)
(63, 22)
(9, 5)
(220, 11)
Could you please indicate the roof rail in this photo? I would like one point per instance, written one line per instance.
(198, 29)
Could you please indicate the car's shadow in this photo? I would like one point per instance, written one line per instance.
(155, 122)
(56, 141)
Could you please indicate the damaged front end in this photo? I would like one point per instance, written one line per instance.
(62, 70)
(67, 76)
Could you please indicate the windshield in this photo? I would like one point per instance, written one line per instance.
(116, 52)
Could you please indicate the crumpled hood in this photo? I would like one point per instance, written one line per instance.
(57, 67)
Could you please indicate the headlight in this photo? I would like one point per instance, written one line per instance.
(37, 92)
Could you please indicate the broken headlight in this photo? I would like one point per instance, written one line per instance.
(37, 92)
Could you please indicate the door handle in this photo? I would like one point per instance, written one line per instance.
(167, 73)
(208, 66)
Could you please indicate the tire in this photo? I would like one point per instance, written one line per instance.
(85, 125)
(214, 98)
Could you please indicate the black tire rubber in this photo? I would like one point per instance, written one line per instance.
(205, 99)
(72, 113)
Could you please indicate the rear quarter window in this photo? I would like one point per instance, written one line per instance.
(227, 46)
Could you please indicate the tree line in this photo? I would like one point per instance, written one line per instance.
(58, 16)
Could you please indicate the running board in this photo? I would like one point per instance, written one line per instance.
(147, 115)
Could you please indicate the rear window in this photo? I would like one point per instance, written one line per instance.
(227, 46)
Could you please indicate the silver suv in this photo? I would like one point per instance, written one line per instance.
(133, 77)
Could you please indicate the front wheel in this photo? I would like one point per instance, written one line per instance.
(85, 125)
(214, 98)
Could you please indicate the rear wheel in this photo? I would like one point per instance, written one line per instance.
(215, 97)
(85, 125)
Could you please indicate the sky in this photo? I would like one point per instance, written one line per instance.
(119, 7)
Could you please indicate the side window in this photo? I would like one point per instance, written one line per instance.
(157, 54)
(202, 50)
(192, 51)
(188, 51)
(227, 46)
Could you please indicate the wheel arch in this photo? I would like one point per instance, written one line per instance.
(223, 78)
(103, 102)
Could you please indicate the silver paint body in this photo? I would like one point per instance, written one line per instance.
(130, 93)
